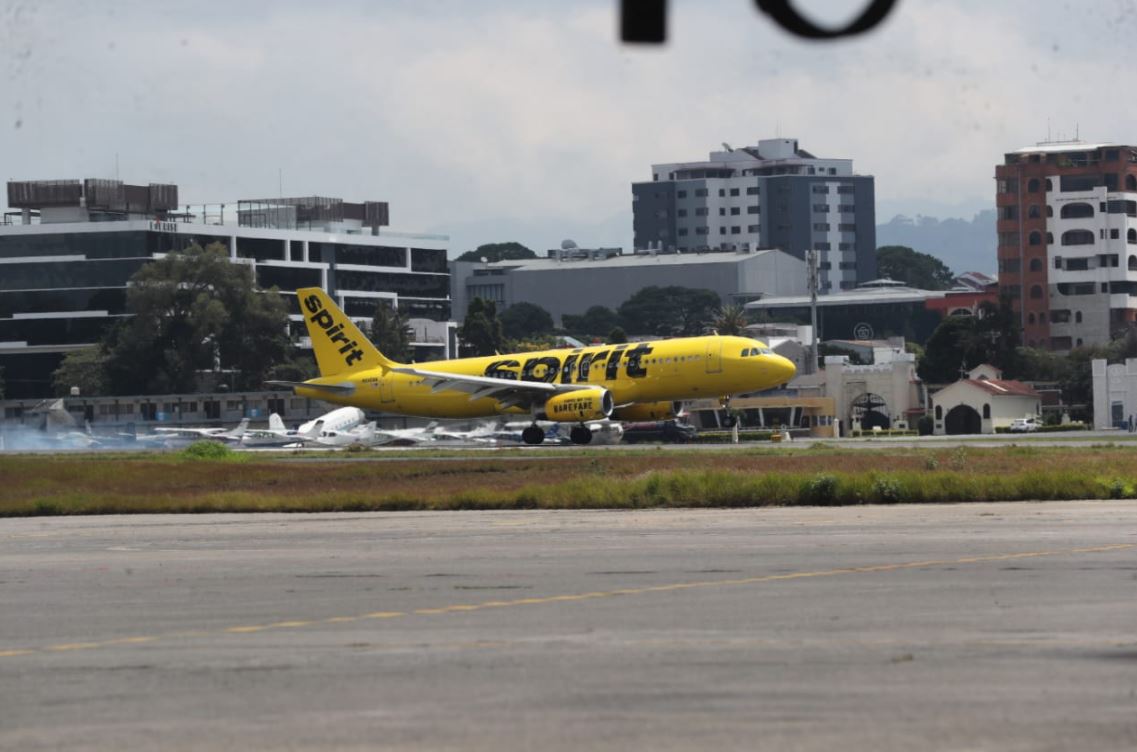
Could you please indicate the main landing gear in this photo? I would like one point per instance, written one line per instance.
(533, 434)
(581, 434)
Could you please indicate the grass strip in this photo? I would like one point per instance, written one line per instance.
(88, 488)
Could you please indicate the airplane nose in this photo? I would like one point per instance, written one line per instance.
(785, 369)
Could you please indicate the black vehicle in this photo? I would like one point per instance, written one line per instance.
(659, 431)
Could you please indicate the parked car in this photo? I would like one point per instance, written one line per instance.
(659, 431)
(1025, 425)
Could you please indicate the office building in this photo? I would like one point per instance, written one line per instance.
(69, 247)
(773, 195)
(574, 282)
(1068, 241)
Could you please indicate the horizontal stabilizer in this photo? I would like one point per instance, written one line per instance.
(326, 388)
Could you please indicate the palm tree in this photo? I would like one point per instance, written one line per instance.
(731, 320)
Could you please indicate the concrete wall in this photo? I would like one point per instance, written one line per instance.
(1115, 391)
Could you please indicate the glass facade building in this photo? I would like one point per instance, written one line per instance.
(63, 280)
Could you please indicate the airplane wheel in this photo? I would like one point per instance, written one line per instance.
(580, 435)
(533, 435)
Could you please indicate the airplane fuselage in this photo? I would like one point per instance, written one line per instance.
(671, 369)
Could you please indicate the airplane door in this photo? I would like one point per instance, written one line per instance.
(714, 356)
(386, 391)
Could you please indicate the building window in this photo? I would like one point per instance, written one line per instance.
(722, 193)
(939, 412)
(821, 208)
(844, 189)
(752, 228)
(1131, 182)
(1077, 264)
(736, 230)
(1032, 185)
(681, 213)
(1009, 239)
(752, 190)
(821, 189)
(1035, 292)
(1035, 238)
(1010, 212)
(1114, 233)
(1009, 266)
(722, 231)
(1077, 211)
(700, 230)
(682, 231)
(1030, 318)
(821, 226)
(700, 192)
(734, 191)
(847, 227)
(1131, 236)
(1077, 237)
(722, 211)
(701, 211)
(753, 210)
(846, 208)
(986, 411)
(681, 194)
(1033, 212)
(844, 246)
(734, 211)
(1036, 265)
(1077, 317)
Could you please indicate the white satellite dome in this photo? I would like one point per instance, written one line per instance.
(567, 245)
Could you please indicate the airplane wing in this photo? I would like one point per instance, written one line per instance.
(333, 389)
(508, 393)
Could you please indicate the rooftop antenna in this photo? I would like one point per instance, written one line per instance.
(280, 182)
(116, 165)
(727, 146)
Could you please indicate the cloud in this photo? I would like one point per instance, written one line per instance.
(530, 114)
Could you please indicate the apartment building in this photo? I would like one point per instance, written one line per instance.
(1068, 241)
(772, 195)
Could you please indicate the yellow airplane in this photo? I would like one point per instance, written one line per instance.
(635, 381)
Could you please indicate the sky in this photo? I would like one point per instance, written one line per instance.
(528, 120)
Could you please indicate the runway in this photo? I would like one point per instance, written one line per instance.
(977, 626)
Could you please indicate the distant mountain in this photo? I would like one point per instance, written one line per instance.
(963, 245)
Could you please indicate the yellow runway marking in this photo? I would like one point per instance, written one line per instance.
(566, 598)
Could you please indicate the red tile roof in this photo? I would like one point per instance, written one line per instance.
(1005, 388)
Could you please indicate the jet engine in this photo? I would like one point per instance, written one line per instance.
(579, 405)
(648, 411)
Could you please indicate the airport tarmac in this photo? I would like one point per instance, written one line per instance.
(976, 626)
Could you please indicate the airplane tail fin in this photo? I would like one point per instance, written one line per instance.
(239, 431)
(339, 344)
(275, 422)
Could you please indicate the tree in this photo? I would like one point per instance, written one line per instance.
(919, 270)
(492, 252)
(86, 369)
(388, 332)
(525, 320)
(731, 320)
(950, 349)
(195, 311)
(670, 311)
(617, 336)
(592, 323)
(481, 332)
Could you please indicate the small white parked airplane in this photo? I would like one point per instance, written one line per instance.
(216, 434)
